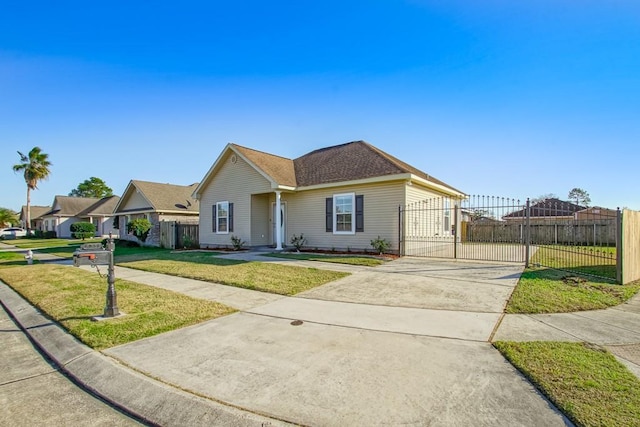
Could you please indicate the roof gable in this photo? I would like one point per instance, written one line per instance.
(162, 197)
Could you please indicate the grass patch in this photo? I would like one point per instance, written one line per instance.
(592, 260)
(33, 243)
(273, 278)
(351, 260)
(586, 383)
(542, 290)
(120, 251)
(12, 259)
(72, 296)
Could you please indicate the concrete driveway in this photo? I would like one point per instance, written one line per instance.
(405, 343)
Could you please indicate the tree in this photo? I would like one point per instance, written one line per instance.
(542, 198)
(35, 167)
(92, 187)
(7, 217)
(580, 196)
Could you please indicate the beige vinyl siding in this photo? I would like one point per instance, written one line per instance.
(416, 193)
(135, 201)
(260, 212)
(306, 214)
(235, 183)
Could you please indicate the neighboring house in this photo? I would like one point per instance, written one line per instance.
(339, 197)
(596, 213)
(546, 209)
(156, 202)
(67, 210)
(36, 216)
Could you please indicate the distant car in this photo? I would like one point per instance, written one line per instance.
(13, 232)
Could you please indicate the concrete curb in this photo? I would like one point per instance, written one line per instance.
(144, 398)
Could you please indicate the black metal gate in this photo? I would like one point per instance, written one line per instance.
(548, 232)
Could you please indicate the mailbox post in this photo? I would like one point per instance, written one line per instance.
(111, 308)
(95, 254)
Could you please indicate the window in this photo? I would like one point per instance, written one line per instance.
(447, 217)
(223, 217)
(345, 213)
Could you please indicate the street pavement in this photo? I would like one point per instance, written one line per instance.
(404, 343)
(34, 392)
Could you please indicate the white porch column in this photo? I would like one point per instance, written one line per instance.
(278, 220)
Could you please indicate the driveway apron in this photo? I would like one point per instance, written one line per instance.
(353, 352)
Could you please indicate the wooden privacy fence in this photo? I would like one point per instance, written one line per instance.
(629, 256)
(175, 235)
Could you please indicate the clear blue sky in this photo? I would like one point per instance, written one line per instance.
(513, 99)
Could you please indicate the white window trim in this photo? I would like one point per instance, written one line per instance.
(218, 217)
(353, 213)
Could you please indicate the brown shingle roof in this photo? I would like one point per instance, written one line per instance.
(280, 169)
(103, 207)
(168, 197)
(548, 208)
(71, 206)
(352, 161)
(36, 211)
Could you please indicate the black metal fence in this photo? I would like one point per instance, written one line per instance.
(548, 232)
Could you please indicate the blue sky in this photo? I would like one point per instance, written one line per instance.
(511, 99)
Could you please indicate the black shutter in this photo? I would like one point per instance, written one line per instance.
(230, 217)
(329, 214)
(214, 216)
(359, 213)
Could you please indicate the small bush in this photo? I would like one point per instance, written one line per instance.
(140, 228)
(237, 243)
(380, 245)
(82, 230)
(50, 234)
(298, 241)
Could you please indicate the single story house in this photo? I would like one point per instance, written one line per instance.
(339, 197)
(546, 209)
(36, 216)
(156, 202)
(67, 210)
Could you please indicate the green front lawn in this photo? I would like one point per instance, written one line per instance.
(71, 296)
(265, 277)
(586, 383)
(33, 243)
(544, 290)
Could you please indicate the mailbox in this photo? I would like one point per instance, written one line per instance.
(91, 254)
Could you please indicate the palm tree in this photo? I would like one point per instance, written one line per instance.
(35, 167)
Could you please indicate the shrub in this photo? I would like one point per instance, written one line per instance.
(82, 230)
(237, 243)
(50, 234)
(380, 245)
(298, 241)
(140, 228)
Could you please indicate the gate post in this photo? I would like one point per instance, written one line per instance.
(527, 235)
(619, 248)
(400, 231)
(455, 230)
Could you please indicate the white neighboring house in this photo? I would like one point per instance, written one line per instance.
(67, 210)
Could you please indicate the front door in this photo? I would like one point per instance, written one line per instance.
(283, 223)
